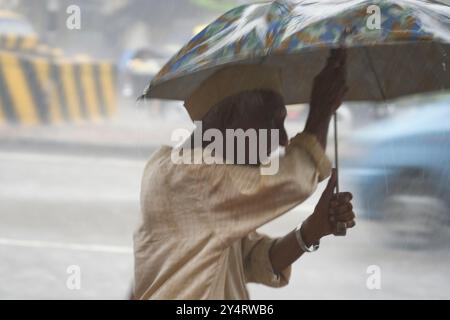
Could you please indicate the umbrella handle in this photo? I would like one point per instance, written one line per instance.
(341, 228)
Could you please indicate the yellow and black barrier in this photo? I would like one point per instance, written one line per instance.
(40, 90)
(12, 42)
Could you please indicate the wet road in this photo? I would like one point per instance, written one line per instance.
(59, 210)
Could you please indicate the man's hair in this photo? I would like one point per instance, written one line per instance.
(240, 105)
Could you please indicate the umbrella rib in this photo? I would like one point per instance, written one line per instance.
(369, 58)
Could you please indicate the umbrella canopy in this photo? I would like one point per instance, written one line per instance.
(408, 54)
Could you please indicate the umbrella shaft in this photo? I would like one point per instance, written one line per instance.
(336, 154)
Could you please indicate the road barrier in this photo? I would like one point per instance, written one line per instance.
(13, 42)
(36, 89)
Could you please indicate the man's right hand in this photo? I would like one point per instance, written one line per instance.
(328, 91)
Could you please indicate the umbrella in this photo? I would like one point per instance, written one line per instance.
(408, 54)
(394, 47)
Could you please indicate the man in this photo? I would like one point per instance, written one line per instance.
(198, 236)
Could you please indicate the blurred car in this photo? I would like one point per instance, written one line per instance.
(14, 24)
(16, 33)
(399, 172)
(137, 68)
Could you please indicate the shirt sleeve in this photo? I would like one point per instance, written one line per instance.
(240, 199)
(256, 260)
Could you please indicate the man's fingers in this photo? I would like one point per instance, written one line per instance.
(342, 208)
(347, 196)
(345, 217)
(338, 85)
(342, 55)
(340, 78)
(337, 57)
(338, 54)
(342, 197)
(350, 224)
(339, 98)
(344, 92)
(336, 99)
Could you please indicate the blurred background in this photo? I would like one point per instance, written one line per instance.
(74, 142)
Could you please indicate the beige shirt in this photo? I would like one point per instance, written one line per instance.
(198, 239)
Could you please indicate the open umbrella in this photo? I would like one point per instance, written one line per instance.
(407, 54)
(394, 47)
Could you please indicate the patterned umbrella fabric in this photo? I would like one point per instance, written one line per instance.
(406, 53)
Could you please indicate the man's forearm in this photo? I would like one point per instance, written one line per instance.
(286, 250)
(319, 129)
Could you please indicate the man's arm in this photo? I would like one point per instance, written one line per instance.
(320, 130)
(330, 209)
(329, 88)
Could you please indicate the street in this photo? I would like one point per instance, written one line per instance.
(84, 215)
(62, 208)
(89, 90)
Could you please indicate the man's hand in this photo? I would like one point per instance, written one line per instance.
(328, 91)
(329, 87)
(331, 209)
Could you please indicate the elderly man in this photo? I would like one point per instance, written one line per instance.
(198, 238)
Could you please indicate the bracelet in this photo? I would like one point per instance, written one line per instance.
(301, 242)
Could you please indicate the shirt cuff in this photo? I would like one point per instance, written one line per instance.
(279, 279)
(310, 143)
(263, 269)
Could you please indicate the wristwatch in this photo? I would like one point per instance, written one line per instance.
(301, 242)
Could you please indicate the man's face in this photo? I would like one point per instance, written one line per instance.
(270, 116)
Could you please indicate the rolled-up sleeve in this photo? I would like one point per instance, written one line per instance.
(309, 143)
(256, 260)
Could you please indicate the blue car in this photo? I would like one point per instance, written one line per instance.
(399, 172)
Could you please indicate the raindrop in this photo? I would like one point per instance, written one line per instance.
(444, 66)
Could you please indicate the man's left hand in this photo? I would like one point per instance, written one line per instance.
(331, 209)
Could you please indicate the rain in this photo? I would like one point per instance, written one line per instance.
(75, 139)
